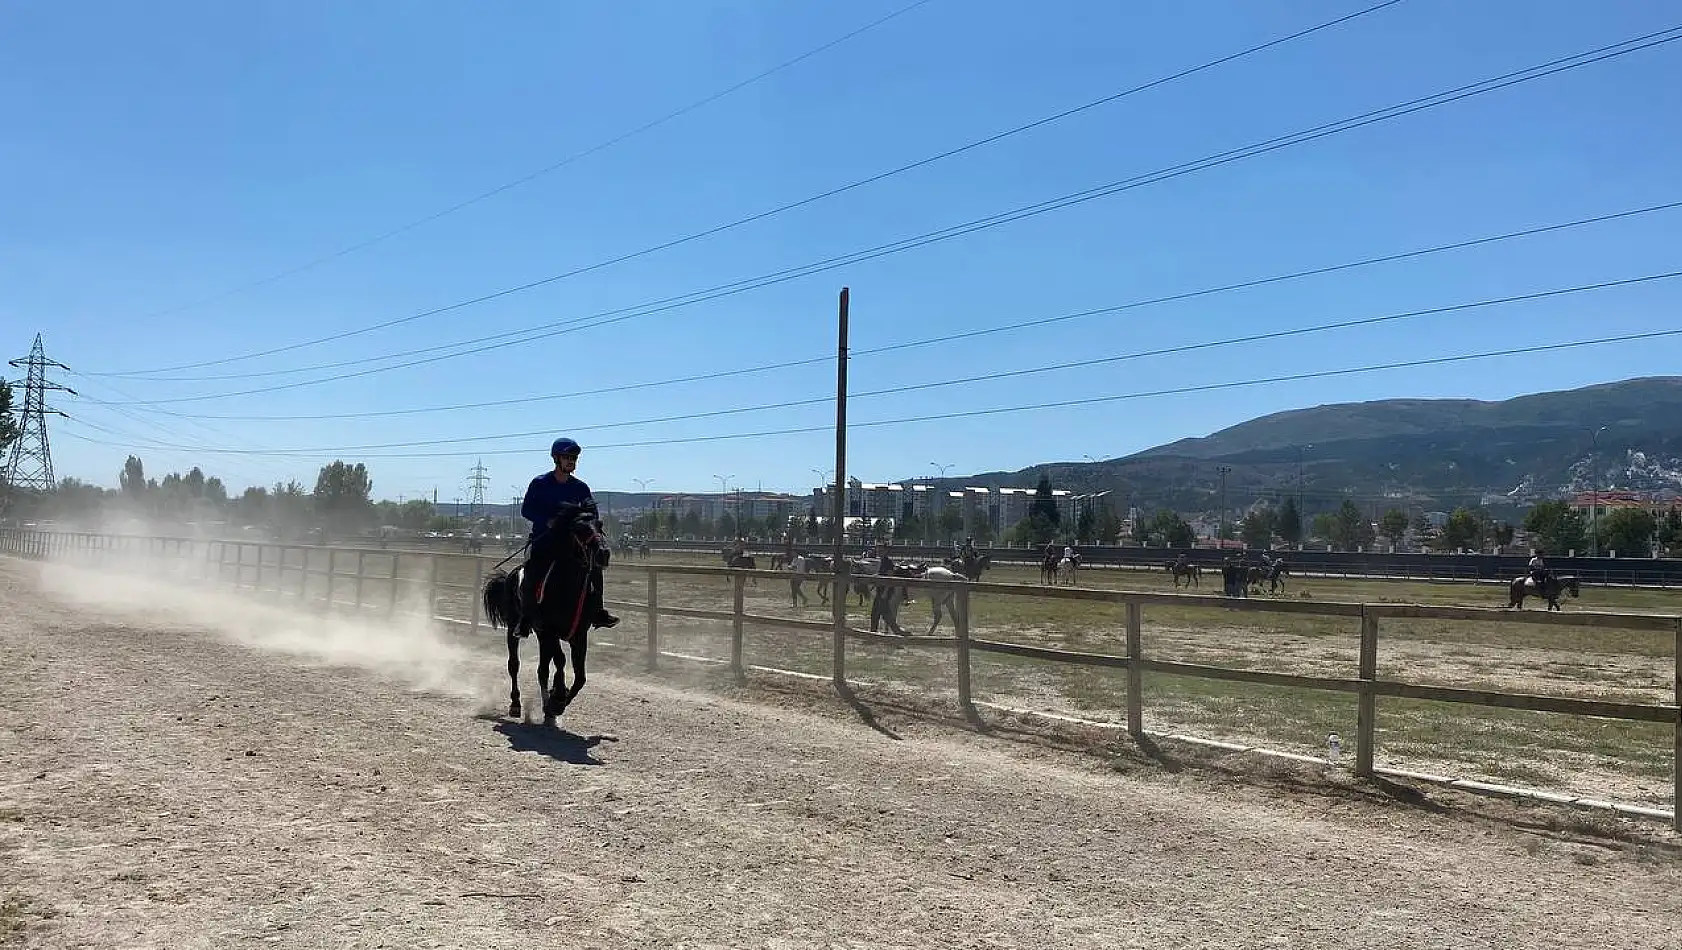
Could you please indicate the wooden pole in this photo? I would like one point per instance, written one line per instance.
(478, 587)
(838, 504)
(736, 666)
(1135, 670)
(1366, 709)
(391, 595)
(653, 619)
(332, 575)
(360, 563)
(1676, 762)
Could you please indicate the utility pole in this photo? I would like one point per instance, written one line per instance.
(838, 505)
(31, 462)
(476, 501)
(1594, 487)
(1221, 533)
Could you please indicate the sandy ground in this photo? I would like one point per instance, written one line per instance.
(206, 772)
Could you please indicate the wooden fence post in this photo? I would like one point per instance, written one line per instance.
(332, 577)
(1676, 762)
(360, 559)
(653, 619)
(1366, 709)
(431, 587)
(391, 595)
(303, 577)
(736, 608)
(1135, 670)
(961, 621)
(478, 586)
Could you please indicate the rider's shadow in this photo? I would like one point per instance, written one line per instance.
(557, 744)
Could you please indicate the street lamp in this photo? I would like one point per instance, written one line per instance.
(723, 490)
(1221, 533)
(1594, 497)
(942, 469)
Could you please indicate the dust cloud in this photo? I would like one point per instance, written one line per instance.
(405, 649)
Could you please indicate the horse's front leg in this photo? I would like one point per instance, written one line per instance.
(579, 647)
(514, 708)
(548, 650)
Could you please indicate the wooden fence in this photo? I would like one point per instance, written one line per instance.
(387, 581)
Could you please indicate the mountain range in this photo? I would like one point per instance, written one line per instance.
(1416, 454)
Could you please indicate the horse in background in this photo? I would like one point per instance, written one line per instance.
(1066, 569)
(818, 567)
(1551, 587)
(1192, 574)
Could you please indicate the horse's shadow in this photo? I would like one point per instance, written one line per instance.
(558, 744)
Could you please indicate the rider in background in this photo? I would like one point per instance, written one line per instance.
(1538, 568)
(545, 497)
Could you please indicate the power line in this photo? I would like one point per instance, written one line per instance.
(528, 178)
(1001, 410)
(1031, 371)
(759, 216)
(962, 335)
(532, 334)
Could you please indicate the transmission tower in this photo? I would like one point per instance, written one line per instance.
(31, 462)
(476, 499)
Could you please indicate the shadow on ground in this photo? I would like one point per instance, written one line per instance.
(551, 742)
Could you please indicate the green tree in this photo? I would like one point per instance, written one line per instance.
(341, 498)
(1423, 531)
(1257, 527)
(951, 522)
(1393, 526)
(1168, 529)
(1323, 526)
(133, 478)
(1287, 522)
(1108, 529)
(690, 525)
(1045, 503)
(1504, 534)
(1556, 526)
(8, 421)
(1349, 527)
(1466, 528)
(1628, 531)
(1086, 524)
(289, 508)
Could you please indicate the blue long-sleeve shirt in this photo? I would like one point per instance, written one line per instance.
(545, 496)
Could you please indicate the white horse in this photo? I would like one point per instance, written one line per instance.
(800, 567)
(942, 598)
(1066, 570)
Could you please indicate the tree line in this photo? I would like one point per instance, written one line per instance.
(340, 504)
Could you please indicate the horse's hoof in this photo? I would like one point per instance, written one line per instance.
(549, 721)
(514, 710)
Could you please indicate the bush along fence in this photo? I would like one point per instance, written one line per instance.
(390, 581)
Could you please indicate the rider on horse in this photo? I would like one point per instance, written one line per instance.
(546, 497)
(1538, 570)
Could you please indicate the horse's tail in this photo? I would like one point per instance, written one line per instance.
(502, 599)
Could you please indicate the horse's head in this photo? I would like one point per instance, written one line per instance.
(572, 532)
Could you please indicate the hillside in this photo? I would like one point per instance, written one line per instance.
(1414, 452)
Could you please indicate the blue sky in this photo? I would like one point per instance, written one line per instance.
(162, 154)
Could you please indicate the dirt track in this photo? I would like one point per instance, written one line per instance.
(164, 783)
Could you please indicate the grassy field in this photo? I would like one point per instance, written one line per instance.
(1609, 758)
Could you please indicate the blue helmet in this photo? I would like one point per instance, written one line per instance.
(564, 446)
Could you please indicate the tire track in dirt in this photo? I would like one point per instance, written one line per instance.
(170, 783)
